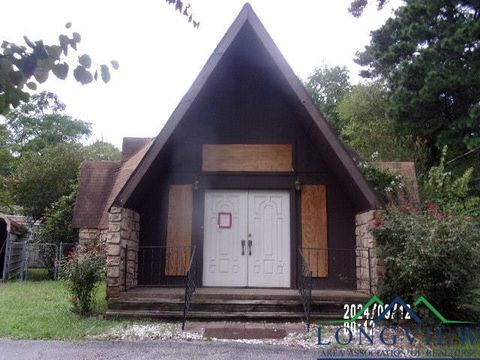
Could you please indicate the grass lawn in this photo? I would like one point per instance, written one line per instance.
(41, 310)
(37, 274)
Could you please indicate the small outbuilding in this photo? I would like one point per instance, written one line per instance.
(13, 253)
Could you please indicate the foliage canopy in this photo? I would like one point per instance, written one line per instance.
(429, 56)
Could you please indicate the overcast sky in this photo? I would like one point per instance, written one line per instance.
(160, 53)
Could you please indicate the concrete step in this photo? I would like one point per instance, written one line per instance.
(231, 303)
(225, 305)
(229, 311)
(340, 296)
(215, 316)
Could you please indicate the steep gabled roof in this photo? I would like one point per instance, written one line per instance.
(101, 181)
(95, 184)
(341, 156)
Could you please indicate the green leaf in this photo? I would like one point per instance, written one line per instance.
(32, 86)
(29, 43)
(82, 75)
(105, 72)
(60, 70)
(16, 77)
(2, 103)
(85, 60)
(40, 50)
(115, 64)
(54, 51)
(41, 73)
(76, 37)
(64, 42)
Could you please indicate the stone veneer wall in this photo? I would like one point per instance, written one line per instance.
(93, 238)
(123, 229)
(364, 224)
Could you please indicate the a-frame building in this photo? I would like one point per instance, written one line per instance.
(246, 184)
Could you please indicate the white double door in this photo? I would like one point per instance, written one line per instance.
(253, 249)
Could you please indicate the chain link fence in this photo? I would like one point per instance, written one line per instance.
(48, 256)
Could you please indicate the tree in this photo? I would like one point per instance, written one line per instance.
(327, 86)
(40, 123)
(366, 127)
(41, 154)
(41, 179)
(57, 224)
(101, 150)
(184, 8)
(23, 66)
(5, 170)
(450, 193)
(429, 56)
(357, 6)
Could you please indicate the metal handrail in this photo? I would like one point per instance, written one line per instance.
(313, 253)
(190, 286)
(155, 262)
(305, 287)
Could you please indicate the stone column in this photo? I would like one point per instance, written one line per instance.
(368, 268)
(123, 233)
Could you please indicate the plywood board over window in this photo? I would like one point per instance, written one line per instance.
(314, 228)
(247, 157)
(179, 230)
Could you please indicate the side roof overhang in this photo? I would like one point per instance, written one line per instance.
(341, 155)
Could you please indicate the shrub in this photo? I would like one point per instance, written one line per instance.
(82, 272)
(431, 254)
(383, 181)
(452, 194)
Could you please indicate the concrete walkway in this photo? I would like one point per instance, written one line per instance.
(232, 330)
(175, 350)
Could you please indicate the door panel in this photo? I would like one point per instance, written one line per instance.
(262, 219)
(223, 262)
(269, 233)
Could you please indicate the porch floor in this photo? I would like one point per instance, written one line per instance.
(245, 293)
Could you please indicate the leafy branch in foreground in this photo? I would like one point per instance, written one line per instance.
(22, 66)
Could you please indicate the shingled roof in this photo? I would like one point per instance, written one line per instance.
(101, 181)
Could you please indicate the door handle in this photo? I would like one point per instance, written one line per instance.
(250, 247)
(243, 247)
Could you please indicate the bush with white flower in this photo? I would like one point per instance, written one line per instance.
(383, 181)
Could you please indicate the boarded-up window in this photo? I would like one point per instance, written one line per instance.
(247, 157)
(314, 228)
(179, 230)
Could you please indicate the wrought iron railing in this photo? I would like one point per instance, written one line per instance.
(333, 268)
(163, 265)
(190, 287)
(305, 287)
(340, 268)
